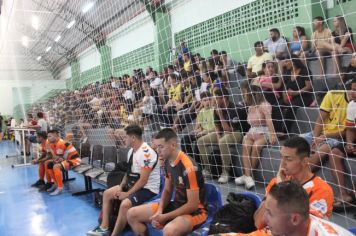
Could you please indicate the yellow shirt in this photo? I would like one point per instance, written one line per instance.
(187, 66)
(206, 119)
(319, 38)
(255, 62)
(335, 103)
(175, 92)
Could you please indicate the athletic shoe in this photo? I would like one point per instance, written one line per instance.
(45, 187)
(240, 180)
(98, 231)
(224, 178)
(38, 184)
(249, 182)
(52, 188)
(56, 192)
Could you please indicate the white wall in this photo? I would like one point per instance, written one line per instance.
(89, 59)
(65, 73)
(38, 89)
(137, 33)
(196, 11)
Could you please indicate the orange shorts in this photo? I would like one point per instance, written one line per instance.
(196, 219)
(67, 164)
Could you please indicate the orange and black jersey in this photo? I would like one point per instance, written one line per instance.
(185, 176)
(65, 149)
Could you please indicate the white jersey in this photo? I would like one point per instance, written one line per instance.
(351, 114)
(320, 227)
(43, 124)
(146, 158)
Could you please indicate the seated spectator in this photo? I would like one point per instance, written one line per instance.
(297, 88)
(146, 108)
(276, 45)
(187, 63)
(41, 158)
(321, 42)
(140, 184)
(343, 41)
(216, 62)
(182, 177)
(328, 133)
(287, 213)
(270, 82)
(64, 156)
(227, 131)
(229, 66)
(294, 166)
(349, 72)
(204, 125)
(254, 66)
(340, 152)
(299, 43)
(261, 132)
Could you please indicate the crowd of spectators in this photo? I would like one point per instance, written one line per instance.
(276, 81)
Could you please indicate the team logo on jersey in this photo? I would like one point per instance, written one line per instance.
(147, 155)
(147, 162)
(189, 170)
(146, 150)
(59, 151)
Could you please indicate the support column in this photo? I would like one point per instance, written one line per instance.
(105, 62)
(75, 73)
(163, 38)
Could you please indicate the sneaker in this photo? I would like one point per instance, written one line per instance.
(38, 184)
(224, 178)
(52, 188)
(98, 231)
(45, 187)
(249, 182)
(240, 180)
(56, 192)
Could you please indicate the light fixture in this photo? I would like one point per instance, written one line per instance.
(35, 22)
(70, 24)
(87, 7)
(48, 49)
(39, 58)
(57, 38)
(24, 40)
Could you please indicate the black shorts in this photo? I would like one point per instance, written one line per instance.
(141, 197)
(342, 148)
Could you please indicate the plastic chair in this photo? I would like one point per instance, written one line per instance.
(254, 197)
(353, 230)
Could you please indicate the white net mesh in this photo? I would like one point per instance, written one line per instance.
(251, 72)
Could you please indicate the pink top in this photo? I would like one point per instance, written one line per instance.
(257, 115)
(267, 80)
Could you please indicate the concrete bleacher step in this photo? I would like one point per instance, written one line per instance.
(314, 65)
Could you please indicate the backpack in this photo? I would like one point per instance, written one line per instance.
(234, 217)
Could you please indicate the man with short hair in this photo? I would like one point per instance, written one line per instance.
(254, 65)
(294, 165)
(329, 128)
(64, 156)
(184, 179)
(41, 125)
(276, 45)
(42, 158)
(138, 186)
(287, 213)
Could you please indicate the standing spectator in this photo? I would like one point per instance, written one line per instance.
(187, 63)
(299, 43)
(204, 125)
(297, 88)
(321, 42)
(328, 131)
(254, 65)
(276, 45)
(343, 41)
(41, 125)
(227, 131)
(261, 132)
(340, 152)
